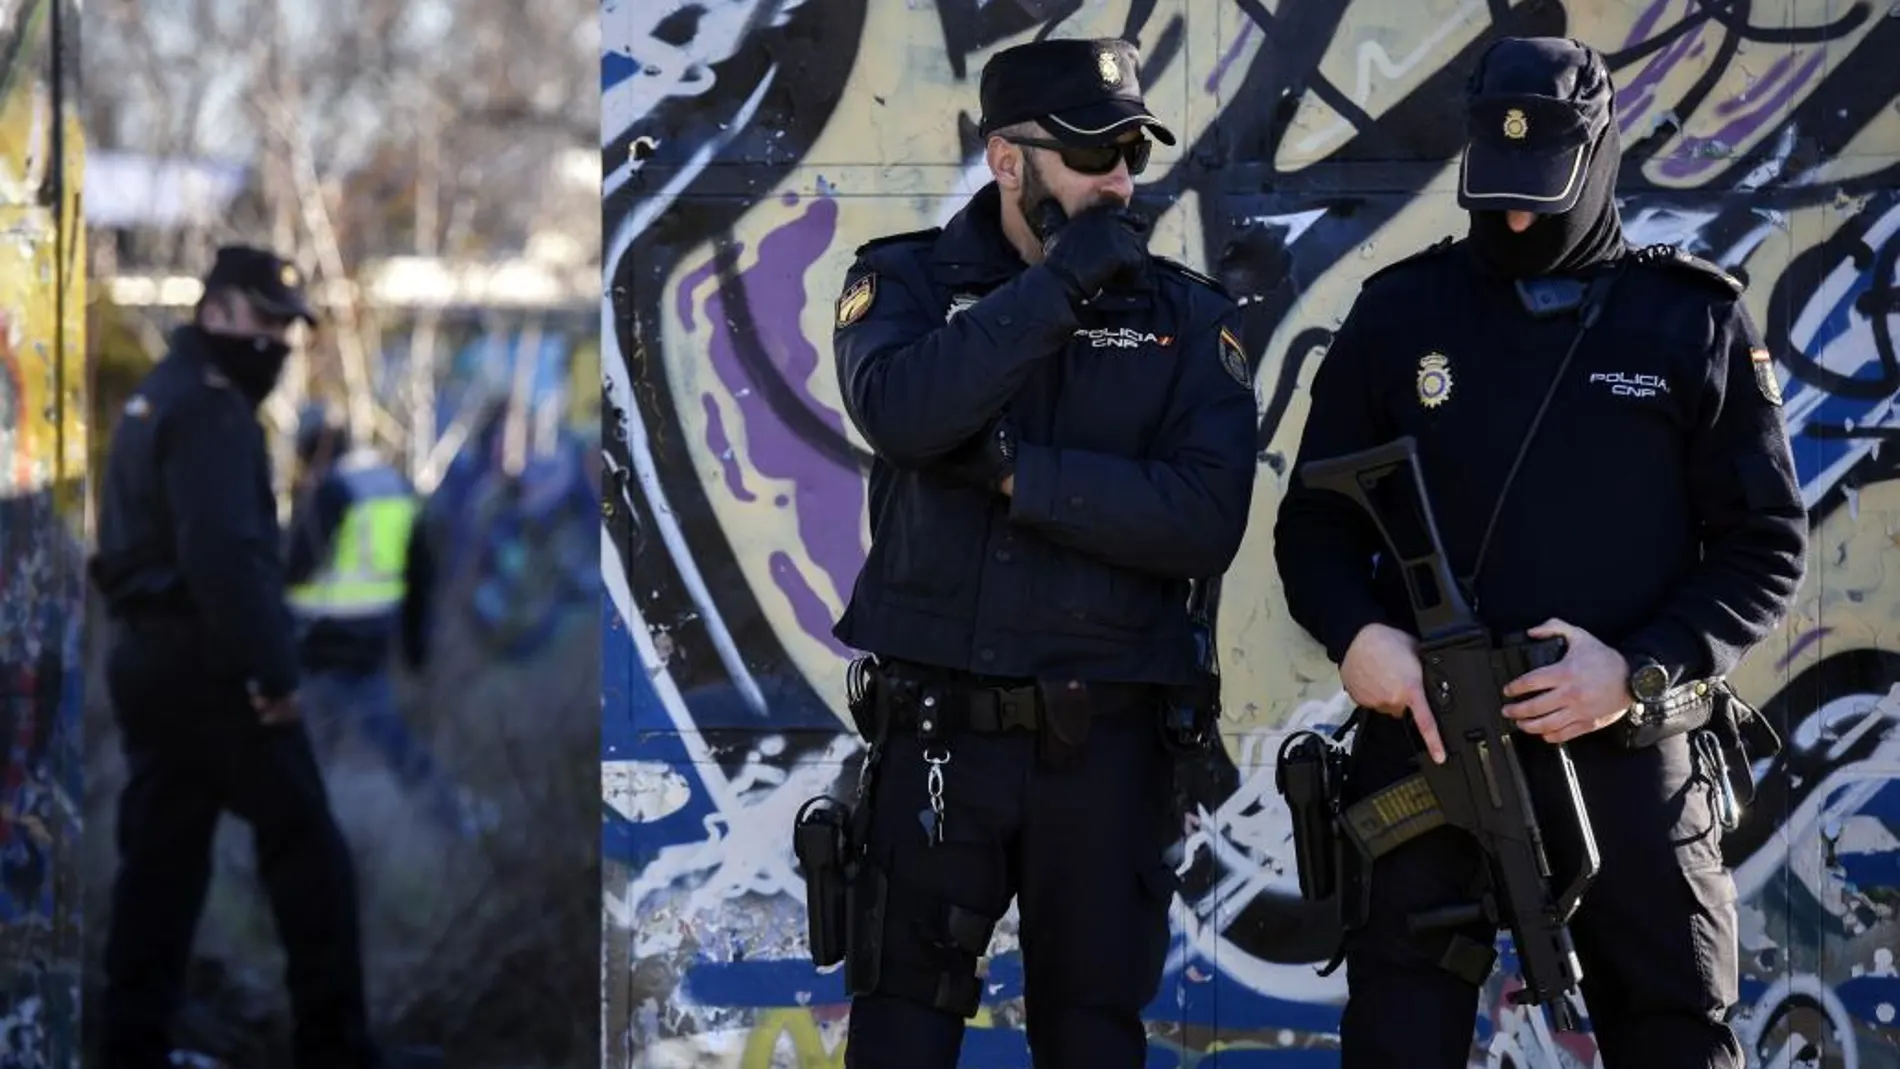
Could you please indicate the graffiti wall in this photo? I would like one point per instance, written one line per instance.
(750, 145)
(42, 526)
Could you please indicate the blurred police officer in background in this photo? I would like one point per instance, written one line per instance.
(202, 673)
(361, 572)
(1655, 525)
(1063, 428)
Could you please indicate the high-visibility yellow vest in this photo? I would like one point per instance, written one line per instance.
(368, 552)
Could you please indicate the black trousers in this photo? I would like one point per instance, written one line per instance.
(1656, 933)
(195, 749)
(1078, 845)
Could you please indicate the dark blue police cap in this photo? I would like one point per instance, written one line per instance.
(1085, 92)
(1533, 108)
(273, 284)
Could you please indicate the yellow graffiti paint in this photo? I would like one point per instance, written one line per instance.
(42, 274)
(775, 1028)
(798, 1032)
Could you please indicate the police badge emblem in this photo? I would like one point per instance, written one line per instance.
(1516, 125)
(1108, 68)
(1434, 379)
(288, 276)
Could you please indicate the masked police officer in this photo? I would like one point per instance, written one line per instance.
(203, 678)
(1655, 525)
(1064, 432)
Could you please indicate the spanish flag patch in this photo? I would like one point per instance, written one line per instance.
(857, 300)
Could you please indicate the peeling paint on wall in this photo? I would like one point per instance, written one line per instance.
(750, 145)
(42, 508)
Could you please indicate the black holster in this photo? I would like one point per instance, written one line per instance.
(1311, 775)
(821, 840)
(830, 838)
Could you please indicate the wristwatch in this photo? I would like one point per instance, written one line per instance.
(1649, 680)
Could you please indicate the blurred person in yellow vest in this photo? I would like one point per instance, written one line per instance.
(361, 576)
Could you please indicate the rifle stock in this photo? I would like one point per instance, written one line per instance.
(1481, 787)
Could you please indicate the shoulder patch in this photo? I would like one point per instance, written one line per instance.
(1434, 250)
(856, 299)
(908, 237)
(1764, 367)
(1192, 275)
(1673, 256)
(1233, 357)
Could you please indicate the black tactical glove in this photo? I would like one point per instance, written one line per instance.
(985, 460)
(1102, 245)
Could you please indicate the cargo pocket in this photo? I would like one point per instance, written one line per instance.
(1713, 937)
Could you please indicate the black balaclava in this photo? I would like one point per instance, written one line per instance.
(253, 363)
(1589, 234)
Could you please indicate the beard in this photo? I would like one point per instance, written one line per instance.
(1035, 190)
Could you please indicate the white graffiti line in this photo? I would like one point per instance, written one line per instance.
(748, 848)
(1372, 54)
(705, 762)
(667, 70)
(1751, 1024)
(1842, 793)
(1249, 836)
(620, 393)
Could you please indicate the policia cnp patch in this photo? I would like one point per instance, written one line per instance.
(1234, 358)
(857, 300)
(1765, 375)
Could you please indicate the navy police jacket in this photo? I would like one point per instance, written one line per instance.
(1656, 508)
(188, 523)
(1134, 466)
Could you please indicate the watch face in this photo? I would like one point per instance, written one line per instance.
(1648, 682)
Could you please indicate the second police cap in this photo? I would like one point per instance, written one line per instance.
(272, 283)
(1533, 108)
(1085, 92)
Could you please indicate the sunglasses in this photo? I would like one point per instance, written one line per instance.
(1094, 159)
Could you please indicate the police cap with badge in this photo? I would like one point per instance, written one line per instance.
(271, 283)
(1085, 93)
(1535, 106)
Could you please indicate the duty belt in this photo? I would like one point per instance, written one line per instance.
(956, 702)
(961, 707)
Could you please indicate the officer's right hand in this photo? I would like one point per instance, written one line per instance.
(1381, 672)
(1094, 248)
(272, 712)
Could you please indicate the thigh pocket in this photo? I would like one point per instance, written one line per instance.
(1712, 937)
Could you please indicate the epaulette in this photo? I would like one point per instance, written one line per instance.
(1674, 256)
(896, 239)
(1192, 275)
(1435, 249)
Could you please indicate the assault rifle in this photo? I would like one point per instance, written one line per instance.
(1481, 787)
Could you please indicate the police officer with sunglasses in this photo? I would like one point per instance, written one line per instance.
(1064, 436)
